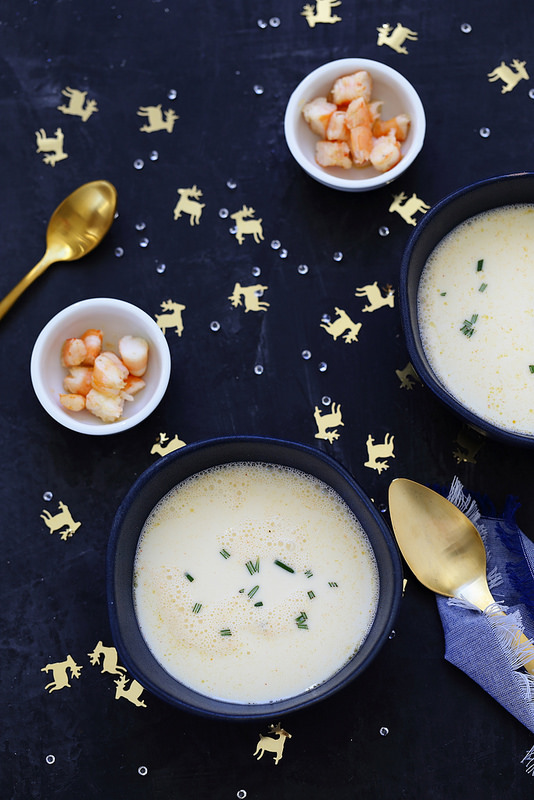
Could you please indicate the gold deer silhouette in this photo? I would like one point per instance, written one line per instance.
(109, 664)
(188, 204)
(62, 522)
(379, 451)
(158, 120)
(407, 376)
(271, 744)
(509, 76)
(408, 207)
(321, 12)
(53, 145)
(131, 692)
(342, 325)
(251, 295)
(375, 297)
(78, 105)
(468, 444)
(60, 673)
(163, 445)
(245, 225)
(172, 318)
(395, 37)
(328, 423)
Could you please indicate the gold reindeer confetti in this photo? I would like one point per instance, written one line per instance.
(52, 145)
(172, 318)
(407, 207)
(251, 295)
(188, 204)
(395, 37)
(321, 12)
(468, 444)
(509, 75)
(61, 522)
(377, 454)
(273, 743)
(328, 423)
(342, 326)
(110, 661)
(245, 225)
(164, 445)
(78, 105)
(158, 120)
(375, 297)
(407, 376)
(60, 674)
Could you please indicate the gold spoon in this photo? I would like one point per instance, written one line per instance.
(75, 228)
(442, 547)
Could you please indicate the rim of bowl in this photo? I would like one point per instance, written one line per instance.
(69, 421)
(293, 111)
(125, 620)
(409, 313)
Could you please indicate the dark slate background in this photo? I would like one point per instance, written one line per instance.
(447, 739)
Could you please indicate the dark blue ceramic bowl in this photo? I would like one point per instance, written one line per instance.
(170, 470)
(438, 222)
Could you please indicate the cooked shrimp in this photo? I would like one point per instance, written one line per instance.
(333, 154)
(317, 114)
(361, 145)
(104, 406)
(386, 153)
(109, 374)
(72, 401)
(358, 113)
(337, 130)
(78, 381)
(349, 87)
(133, 351)
(73, 352)
(93, 342)
(399, 125)
(132, 386)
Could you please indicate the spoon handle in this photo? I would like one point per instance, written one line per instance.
(22, 285)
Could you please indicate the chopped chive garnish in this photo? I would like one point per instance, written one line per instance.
(309, 573)
(467, 328)
(241, 591)
(226, 632)
(197, 607)
(311, 595)
(480, 265)
(225, 553)
(253, 566)
(189, 577)
(253, 591)
(332, 584)
(442, 294)
(301, 621)
(482, 287)
(284, 566)
(257, 605)
(531, 367)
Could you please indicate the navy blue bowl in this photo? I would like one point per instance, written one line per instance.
(438, 222)
(159, 479)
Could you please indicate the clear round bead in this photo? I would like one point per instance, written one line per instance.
(119, 252)
(154, 155)
(338, 256)
(275, 244)
(274, 22)
(465, 27)
(142, 771)
(306, 355)
(256, 271)
(383, 230)
(215, 326)
(223, 213)
(50, 759)
(160, 268)
(323, 366)
(258, 89)
(144, 242)
(138, 163)
(484, 132)
(302, 269)
(258, 369)
(172, 94)
(231, 183)
(47, 496)
(326, 400)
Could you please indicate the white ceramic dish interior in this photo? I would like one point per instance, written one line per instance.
(115, 318)
(398, 96)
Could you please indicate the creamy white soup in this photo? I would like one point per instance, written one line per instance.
(254, 582)
(476, 315)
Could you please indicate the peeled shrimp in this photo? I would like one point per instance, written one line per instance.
(78, 381)
(72, 402)
(92, 339)
(386, 153)
(109, 374)
(349, 87)
(73, 352)
(133, 351)
(351, 129)
(132, 386)
(106, 407)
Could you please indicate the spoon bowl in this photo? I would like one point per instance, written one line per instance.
(443, 548)
(75, 228)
